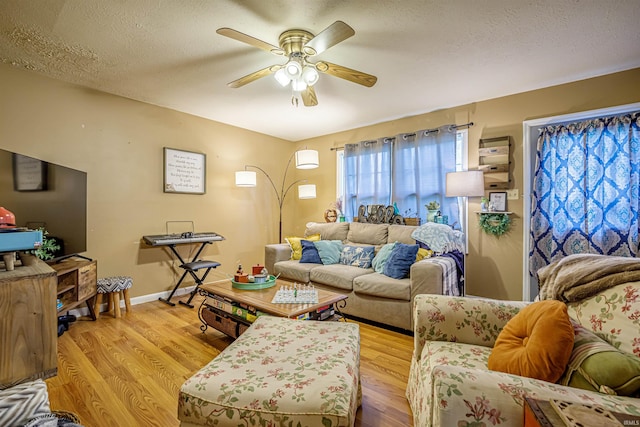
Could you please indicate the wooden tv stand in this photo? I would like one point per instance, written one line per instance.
(77, 283)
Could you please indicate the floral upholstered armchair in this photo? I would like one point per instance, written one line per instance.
(450, 383)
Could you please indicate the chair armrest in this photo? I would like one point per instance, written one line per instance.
(460, 319)
(275, 253)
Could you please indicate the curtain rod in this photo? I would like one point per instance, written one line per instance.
(467, 125)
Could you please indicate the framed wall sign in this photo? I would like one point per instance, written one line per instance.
(184, 171)
(498, 200)
(29, 174)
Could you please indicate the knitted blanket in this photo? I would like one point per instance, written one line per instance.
(581, 276)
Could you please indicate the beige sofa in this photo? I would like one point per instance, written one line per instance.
(372, 296)
(451, 385)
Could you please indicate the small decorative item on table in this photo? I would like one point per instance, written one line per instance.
(267, 282)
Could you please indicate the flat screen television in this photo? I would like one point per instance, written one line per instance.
(44, 194)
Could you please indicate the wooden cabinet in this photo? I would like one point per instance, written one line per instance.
(77, 283)
(495, 161)
(28, 324)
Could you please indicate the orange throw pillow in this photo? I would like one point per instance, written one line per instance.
(536, 343)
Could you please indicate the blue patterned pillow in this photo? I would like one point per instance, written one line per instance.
(310, 254)
(329, 251)
(357, 256)
(399, 262)
(440, 238)
(381, 258)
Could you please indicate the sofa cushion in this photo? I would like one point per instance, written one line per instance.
(357, 256)
(329, 251)
(536, 343)
(337, 275)
(401, 233)
(398, 264)
(379, 285)
(423, 254)
(381, 257)
(328, 230)
(370, 234)
(597, 365)
(310, 253)
(293, 270)
(296, 246)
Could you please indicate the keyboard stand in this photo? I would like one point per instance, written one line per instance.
(187, 270)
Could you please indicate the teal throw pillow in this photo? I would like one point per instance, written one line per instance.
(381, 258)
(310, 254)
(399, 262)
(329, 251)
(357, 256)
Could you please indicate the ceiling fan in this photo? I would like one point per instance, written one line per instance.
(298, 46)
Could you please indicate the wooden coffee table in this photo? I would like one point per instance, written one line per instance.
(232, 310)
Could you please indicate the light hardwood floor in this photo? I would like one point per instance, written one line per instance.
(128, 371)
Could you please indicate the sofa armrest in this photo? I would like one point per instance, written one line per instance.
(275, 253)
(426, 278)
(460, 319)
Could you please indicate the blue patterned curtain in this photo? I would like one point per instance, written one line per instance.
(585, 195)
(367, 167)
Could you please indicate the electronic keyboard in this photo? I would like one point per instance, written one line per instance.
(183, 238)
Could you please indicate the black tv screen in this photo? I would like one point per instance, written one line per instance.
(43, 194)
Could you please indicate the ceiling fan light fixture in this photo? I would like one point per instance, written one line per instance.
(281, 77)
(293, 69)
(298, 85)
(310, 75)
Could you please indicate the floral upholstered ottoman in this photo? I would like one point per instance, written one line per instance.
(279, 372)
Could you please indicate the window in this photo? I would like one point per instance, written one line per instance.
(408, 169)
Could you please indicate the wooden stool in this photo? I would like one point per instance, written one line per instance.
(113, 286)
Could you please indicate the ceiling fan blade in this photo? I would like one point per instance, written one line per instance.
(244, 38)
(354, 76)
(254, 76)
(330, 36)
(309, 97)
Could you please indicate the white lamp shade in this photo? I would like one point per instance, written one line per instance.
(310, 75)
(465, 184)
(281, 77)
(298, 85)
(293, 69)
(245, 179)
(307, 159)
(307, 191)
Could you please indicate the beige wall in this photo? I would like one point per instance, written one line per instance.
(118, 142)
(494, 265)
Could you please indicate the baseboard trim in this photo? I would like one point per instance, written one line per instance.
(84, 311)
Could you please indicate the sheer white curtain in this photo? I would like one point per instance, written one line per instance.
(367, 167)
(421, 161)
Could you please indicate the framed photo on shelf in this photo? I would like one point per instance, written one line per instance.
(184, 171)
(29, 174)
(498, 200)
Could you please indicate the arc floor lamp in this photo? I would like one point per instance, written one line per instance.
(305, 159)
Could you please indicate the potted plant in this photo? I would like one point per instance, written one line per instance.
(48, 248)
(484, 204)
(433, 207)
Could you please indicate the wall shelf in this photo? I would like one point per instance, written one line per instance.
(494, 157)
(494, 212)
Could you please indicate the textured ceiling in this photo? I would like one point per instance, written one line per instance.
(427, 55)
